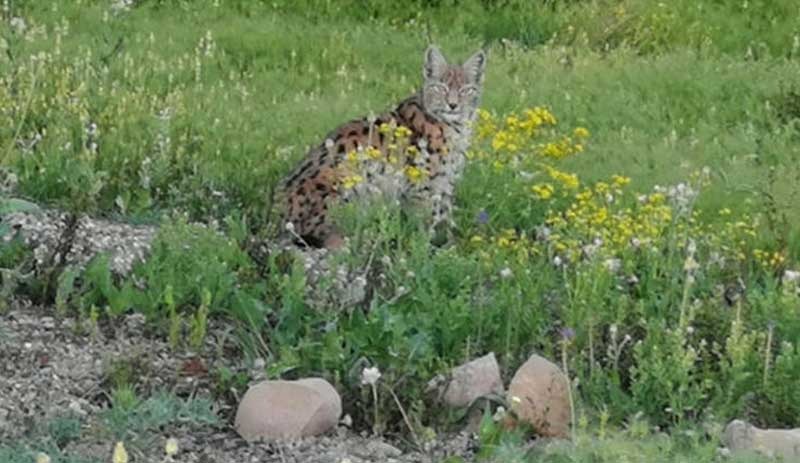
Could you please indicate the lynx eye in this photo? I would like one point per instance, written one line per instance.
(467, 91)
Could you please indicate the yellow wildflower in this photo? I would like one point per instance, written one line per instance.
(620, 181)
(374, 153)
(551, 150)
(543, 191)
(581, 132)
(402, 132)
(120, 455)
(569, 181)
(414, 174)
(351, 181)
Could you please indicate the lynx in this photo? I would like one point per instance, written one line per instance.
(413, 153)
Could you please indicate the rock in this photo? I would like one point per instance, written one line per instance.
(328, 283)
(474, 379)
(742, 436)
(57, 237)
(539, 395)
(277, 410)
(376, 450)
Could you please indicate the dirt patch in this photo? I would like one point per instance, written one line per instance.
(53, 367)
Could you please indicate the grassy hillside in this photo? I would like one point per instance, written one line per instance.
(679, 301)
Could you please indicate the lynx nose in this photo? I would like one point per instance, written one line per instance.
(452, 105)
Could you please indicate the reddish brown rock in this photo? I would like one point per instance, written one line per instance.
(472, 380)
(278, 410)
(539, 395)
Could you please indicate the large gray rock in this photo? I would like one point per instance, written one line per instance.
(472, 380)
(280, 410)
(539, 395)
(58, 238)
(742, 436)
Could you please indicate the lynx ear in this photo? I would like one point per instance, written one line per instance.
(475, 66)
(435, 64)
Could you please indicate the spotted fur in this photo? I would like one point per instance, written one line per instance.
(438, 116)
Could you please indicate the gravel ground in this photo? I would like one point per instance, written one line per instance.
(51, 366)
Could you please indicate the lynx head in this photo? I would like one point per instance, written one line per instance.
(452, 92)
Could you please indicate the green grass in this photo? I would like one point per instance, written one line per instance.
(635, 443)
(139, 423)
(273, 85)
(200, 109)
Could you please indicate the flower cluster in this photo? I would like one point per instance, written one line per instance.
(769, 259)
(605, 221)
(599, 219)
(564, 180)
(395, 156)
(518, 136)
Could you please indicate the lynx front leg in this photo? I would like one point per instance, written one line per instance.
(441, 207)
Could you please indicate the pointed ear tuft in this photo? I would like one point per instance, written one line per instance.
(475, 66)
(435, 63)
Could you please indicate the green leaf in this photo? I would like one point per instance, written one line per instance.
(12, 205)
(66, 286)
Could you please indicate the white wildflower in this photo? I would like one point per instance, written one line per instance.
(691, 248)
(791, 277)
(18, 24)
(370, 376)
(612, 265)
(506, 273)
(690, 265)
(542, 233)
(121, 5)
(171, 447)
(499, 414)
